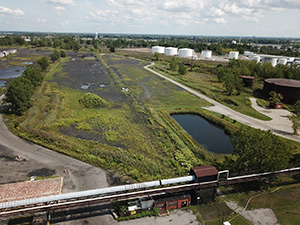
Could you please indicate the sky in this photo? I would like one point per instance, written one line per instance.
(261, 18)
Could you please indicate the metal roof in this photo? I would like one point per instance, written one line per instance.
(284, 82)
(203, 171)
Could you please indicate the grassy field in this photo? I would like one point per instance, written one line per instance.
(208, 84)
(283, 199)
(134, 135)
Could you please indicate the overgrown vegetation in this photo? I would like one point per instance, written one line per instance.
(90, 100)
(20, 90)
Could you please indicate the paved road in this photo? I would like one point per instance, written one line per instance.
(80, 176)
(280, 125)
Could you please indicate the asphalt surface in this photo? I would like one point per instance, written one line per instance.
(79, 176)
(279, 125)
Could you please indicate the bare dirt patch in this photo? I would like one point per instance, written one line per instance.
(15, 170)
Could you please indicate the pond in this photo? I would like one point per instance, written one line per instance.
(11, 72)
(205, 133)
(2, 83)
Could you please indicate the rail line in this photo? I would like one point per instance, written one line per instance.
(125, 192)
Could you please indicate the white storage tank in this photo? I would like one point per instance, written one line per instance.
(274, 62)
(171, 51)
(256, 58)
(233, 55)
(290, 59)
(185, 52)
(158, 49)
(206, 54)
(282, 61)
(247, 53)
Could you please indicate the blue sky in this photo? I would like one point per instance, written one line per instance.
(271, 18)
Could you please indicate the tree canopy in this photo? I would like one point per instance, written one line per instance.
(258, 151)
(19, 92)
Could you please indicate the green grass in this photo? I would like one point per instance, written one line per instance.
(215, 213)
(283, 200)
(208, 84)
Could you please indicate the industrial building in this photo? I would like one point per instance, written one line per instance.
(290, 89)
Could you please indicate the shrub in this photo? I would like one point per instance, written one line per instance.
(90, 100)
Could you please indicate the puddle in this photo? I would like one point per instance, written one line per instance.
(101, 85)
(3, 83)
(27, 63)
(85, 87)
(11, 72)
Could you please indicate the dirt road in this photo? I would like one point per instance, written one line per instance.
(279, 125)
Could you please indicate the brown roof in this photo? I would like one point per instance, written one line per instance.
(30, 189)
(284, 82)
(203, 171)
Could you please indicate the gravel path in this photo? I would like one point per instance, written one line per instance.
(279, 125)
(257, 216)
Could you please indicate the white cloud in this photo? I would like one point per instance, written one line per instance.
(219, 20)
(40, 20)
(61, 2)
(58, 10)
(64, 23)
(14, 12)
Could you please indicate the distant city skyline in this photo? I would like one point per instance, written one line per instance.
(260, 18)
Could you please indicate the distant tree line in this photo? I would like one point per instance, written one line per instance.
(219, 45)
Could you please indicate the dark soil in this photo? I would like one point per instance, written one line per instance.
(80, 72)
(44, 172)
(13, 170)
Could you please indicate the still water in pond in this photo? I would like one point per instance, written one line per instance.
(11, 72)
(2, 83)
(208, 135)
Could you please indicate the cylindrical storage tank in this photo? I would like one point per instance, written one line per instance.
(171, 51)
(290, 89)
(282, 61)
(256, 58)
(158, 49)
(233, 55)
(274, 62)
(206, 54)
(185, 52)
(247, 53)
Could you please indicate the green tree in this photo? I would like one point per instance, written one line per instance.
(174, 64)
(55, 55)
(295, 119)
(156, 56)
(33, 74)
(62, 53)
(18, 94)
(275, 98)
(296, 108)
(112, 49)
(44, 63)
(229, 81)
(181, 69)
(258, 151)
